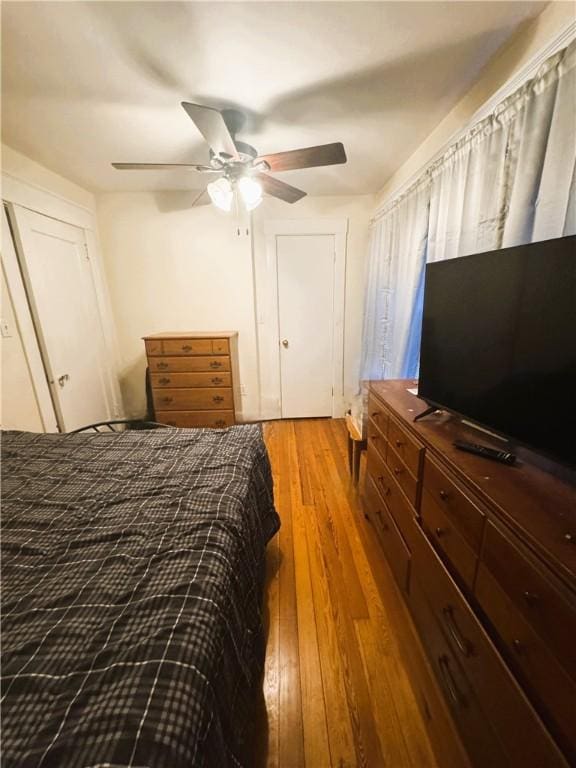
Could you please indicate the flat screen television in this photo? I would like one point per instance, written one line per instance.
(499, 343)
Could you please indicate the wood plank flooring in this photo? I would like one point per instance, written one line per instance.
(335, 689)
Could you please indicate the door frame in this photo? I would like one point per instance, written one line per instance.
(266, 274)
(19, 192)
(23, 230)
(26, 329)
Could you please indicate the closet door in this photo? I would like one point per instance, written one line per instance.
(54, 262)
(305, 323)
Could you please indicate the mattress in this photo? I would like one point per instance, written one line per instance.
(132, 570)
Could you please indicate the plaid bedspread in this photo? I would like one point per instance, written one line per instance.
(132, 572)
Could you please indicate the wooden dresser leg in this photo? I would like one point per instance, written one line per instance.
(350, 455)
(357, 450)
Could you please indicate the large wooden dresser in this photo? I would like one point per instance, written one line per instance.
(484, 556)
(194, 377)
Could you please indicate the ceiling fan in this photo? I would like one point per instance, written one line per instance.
(238, 165)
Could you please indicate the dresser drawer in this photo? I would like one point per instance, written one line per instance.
(162, 380)
(542, 674)
(379, 416)
(402, 474)
(153, 346)
(187, 346)
(394, 499)
(183, 363)
(192, 399)
(498, 694)
(464, 514)
(478, 736)
(217, 419)
(448, 539)
(220, 346)
(396, 551)
(446, 742)
(551, 615)
(406, 447)
(376, 442)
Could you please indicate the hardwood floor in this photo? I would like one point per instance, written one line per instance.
(335, 689)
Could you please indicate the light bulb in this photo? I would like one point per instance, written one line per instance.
(250, 191)
(221, 193)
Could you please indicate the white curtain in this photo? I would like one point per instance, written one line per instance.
(510, 180)
(396, 262)
(543, 202)
(469, 193)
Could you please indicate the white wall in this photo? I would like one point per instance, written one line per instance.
(21, 167)
(526, 43)
(174, 268)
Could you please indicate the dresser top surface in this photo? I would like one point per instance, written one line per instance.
(192, 335)
(538, 505)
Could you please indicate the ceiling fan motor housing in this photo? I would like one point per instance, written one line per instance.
(246, 152)
(237, 167)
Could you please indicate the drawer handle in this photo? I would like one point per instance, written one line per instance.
(166, 399)
(439, 532)
(569, 538)
(399, 443)
(518, 647)
(444, 495)
(383, 522)
(375, 437)
(217, 399)
(162, 366)
(164, 380)
(531, 598)
(448, 680)
(375, 414)
(216, 380)
(186, 348)
(215, 364)
(385, 488)
(398, 471)
(463, 645)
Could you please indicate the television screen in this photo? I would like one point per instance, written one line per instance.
(499, 342)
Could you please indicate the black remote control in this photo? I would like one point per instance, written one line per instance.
(489, 453)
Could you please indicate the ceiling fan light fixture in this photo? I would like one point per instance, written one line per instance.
(221, 193)
(250, 191)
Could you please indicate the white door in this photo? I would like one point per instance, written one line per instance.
(58, 280)
(305, 321)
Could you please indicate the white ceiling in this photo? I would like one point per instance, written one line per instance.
(88, 83)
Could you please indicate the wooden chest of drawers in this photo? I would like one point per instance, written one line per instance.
(485, 561)
(194, 378)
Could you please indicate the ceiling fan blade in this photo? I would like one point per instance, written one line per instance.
(279, 189)
(309, 157)
(163, 167)
(212, 126)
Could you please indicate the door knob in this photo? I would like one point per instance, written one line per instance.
(63, 379)
(284, 342)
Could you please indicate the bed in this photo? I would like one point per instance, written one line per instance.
(132, 571)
